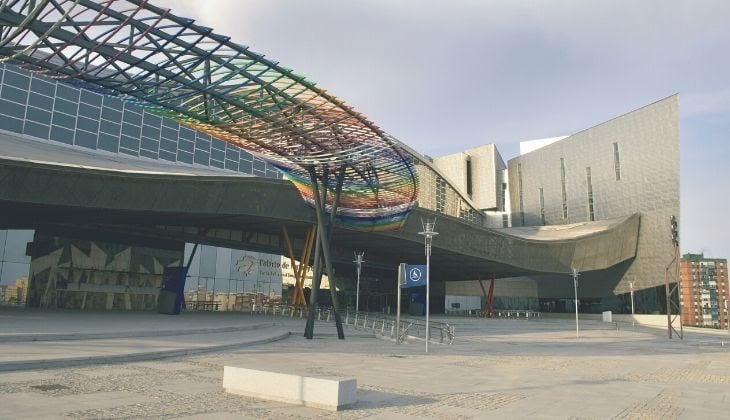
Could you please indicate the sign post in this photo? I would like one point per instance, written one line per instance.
(397, 311)
(428, 234)
(408, 276)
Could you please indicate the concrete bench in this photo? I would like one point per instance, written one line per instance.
(324, 393)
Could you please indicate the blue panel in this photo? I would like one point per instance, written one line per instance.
(110, 127)
(168, 145)
(147, 153)
(38, 115)
(245, 155)
(184, 157)
(245, 166)
(216, 164)
(171, 124)
(61, 134)
(186, 146)
(14, 94)
(131, 130)
(17, 80)
(40, 86)
(217, 155)
(168, 156)
(129, 142)
(259, 165)
(232, 154)
(187, 134)
(271, 174)
(202, 144)
(70, 108)
(67, 92)
(40, 101)
(232, 165)
(113, 103)
(111, 114)
(202, 157)
(128, 152)
(90, 98)
(87, 124)
(151, 132)
(132, 118)
(12, 109)
(89, 111)
(168, 133)
(11, 124)
(64, 121)
(149, 144)
(218, 144)
(152, 120)
(85, 139)
(108, 142)
(36, 130)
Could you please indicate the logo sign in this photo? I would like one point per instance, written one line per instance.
(415, 275)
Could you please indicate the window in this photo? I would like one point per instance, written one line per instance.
(542, 207)
(440, 194)
(591, 217)
(617, 161)
(504, 196)
(468, 177)
(562, 185)
(522, 203)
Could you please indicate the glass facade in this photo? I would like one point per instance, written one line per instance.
(59, 112)
(89, 274)
(69, 273)
(14, 266)
(235, 280)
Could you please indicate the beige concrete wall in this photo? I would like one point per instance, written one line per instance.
(507, 287)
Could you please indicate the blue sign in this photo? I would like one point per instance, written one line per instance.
(415, 275)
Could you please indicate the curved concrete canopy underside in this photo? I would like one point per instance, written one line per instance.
(55, 187)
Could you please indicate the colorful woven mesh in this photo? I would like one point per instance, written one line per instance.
(177, 69)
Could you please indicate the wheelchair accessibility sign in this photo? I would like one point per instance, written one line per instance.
(415, 275)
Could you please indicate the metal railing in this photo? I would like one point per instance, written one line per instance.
(381, 324)
(385, 325)
(498, 313)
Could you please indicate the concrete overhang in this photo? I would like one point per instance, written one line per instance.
(53, 186)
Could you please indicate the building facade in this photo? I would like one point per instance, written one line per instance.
(40, 110)
(704, 291)
(627, 165)
(481, 174)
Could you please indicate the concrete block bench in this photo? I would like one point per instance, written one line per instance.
(324, 393)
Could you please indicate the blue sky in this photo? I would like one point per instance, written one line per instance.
(444, 76)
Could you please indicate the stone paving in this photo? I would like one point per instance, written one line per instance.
(495, 369)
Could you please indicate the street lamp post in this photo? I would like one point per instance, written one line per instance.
(428, 234)
(358, 264)
(575, 274)
(633, 318)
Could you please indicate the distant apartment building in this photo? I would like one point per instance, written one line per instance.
(704, 291)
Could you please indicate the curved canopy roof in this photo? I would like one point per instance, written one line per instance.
(183, 71)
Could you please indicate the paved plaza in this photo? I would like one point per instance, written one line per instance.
(494, 369)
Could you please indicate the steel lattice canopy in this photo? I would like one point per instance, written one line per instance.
(183, 71)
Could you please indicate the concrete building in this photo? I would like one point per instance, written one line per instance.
(481, 173)
(626, 166)
(704, 291)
